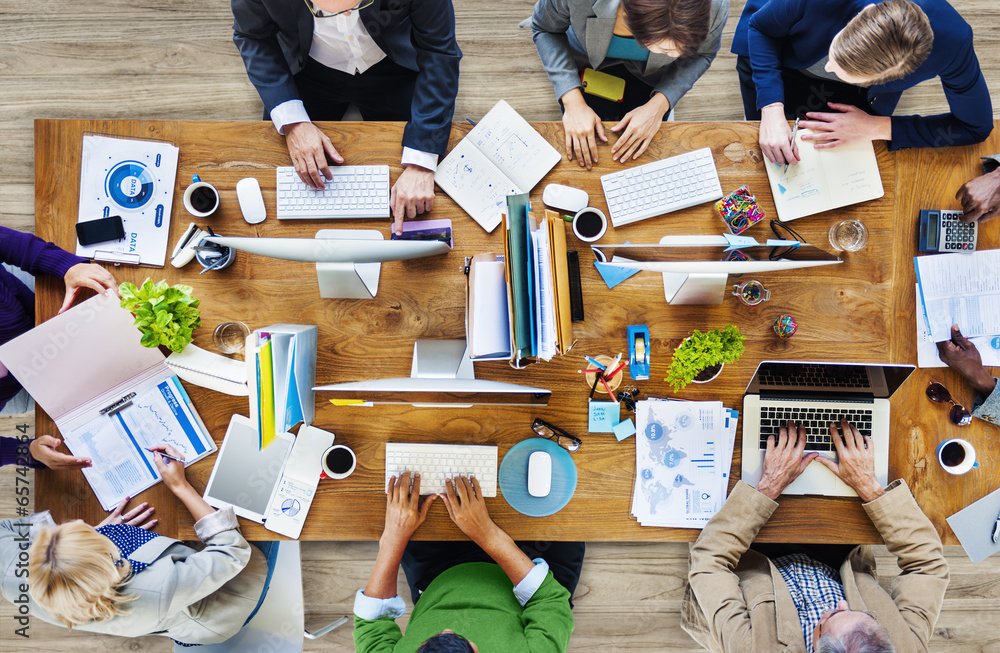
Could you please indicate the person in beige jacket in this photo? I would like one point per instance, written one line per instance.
(738, 599)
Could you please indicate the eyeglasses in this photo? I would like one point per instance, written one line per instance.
(546, 430)
(959, 415)
(319, 13)
(783, 231)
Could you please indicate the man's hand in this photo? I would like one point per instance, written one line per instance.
(580, 123)
(411, 195)
(849, 125)
(783, 460)
(135, 517)
(403, 512)
(856, 465)
(86, 275)
(309, 146)
(467, 508)
(963, 357)
(43, 449)
(980, 198)
(775, 135)
(640, 125)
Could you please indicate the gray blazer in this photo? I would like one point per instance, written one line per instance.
(988, 408)
(192, 596)
(593, 23)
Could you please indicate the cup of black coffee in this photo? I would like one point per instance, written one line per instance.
(339, 461)
(590, 224)
(200, 198)
(957, 456)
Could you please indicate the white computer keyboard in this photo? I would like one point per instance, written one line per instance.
(661, 187)
(436, 462)
(351, 192)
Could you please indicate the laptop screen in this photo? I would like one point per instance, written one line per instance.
(785, 377)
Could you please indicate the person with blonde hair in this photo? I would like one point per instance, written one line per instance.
(797, 58)
(122, 579)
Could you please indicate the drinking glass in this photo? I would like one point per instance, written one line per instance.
(229, 337)
(848, 236)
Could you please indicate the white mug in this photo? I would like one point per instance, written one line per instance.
(334, 475)
(957, 456)
(589, 234)
(198, 183)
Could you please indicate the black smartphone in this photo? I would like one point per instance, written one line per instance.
(100, 230)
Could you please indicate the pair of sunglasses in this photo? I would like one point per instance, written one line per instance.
(546, 430)
(958, 415)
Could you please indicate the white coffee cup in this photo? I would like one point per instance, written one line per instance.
(339, 453)
(200, 200)
(590, 224)
(957, 456)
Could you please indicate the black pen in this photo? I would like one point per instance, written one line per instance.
(996, 530)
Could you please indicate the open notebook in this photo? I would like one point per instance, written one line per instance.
(824, 179)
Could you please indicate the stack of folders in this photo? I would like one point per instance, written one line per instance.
(281, 373)
(683, 456)
(538, 283)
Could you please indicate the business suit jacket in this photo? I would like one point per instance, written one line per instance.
(196, 597)
(593, 23)
(795, 34)
(736, 599)
(274, 37)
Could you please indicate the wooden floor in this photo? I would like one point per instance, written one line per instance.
(174, 59)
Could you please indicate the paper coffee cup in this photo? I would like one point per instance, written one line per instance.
(957, 456)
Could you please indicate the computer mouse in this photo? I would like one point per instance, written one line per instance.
(251, 200)
(565, 198)
(539, 474)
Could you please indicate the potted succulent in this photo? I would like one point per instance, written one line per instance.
(165, 315)
(701, 356)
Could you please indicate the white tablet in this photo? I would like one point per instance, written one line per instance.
(245, 478)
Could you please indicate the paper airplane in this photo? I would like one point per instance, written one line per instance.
(737, 242)
(774, 242)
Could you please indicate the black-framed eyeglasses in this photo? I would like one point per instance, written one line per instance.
(782, 232)
(319, 13)
(959, 415)
(552, 432)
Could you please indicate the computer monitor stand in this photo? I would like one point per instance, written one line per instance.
(348, 280)
(695, 288)
(441, 359)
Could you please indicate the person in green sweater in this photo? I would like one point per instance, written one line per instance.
(510, 603)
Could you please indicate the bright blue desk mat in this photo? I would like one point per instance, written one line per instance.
(513, 478)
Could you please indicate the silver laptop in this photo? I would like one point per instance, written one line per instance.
(812, 395)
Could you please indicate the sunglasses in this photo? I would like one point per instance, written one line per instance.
(319, 13)
(959, 415)
(546, 430)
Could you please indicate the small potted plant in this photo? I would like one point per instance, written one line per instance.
(701, 356)
(165, 315)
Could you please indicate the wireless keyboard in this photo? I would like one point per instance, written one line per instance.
(351, 192)
(437, 462)
(661, 187)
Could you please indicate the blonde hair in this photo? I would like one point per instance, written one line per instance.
(884, 42)
(74, 574)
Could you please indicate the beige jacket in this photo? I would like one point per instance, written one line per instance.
(736, 600)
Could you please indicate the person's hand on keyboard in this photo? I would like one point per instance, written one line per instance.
(846, 124)
(580, 123)
(775, 135)
(467, 508)
(640, 125)
(309, 146)
(783, 460)
(403, 512)
(856, 461)
(411, 195)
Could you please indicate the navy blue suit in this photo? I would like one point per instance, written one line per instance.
(795, 34)
(274, 38)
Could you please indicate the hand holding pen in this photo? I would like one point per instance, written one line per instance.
(791, 143)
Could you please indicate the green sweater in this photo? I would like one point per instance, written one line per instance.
(476, 600)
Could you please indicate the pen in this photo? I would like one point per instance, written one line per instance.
(118, 405)
(795, 131)
(165, 455)
(996, 530)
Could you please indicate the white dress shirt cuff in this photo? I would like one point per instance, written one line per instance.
(370, 608)
(288, 113)
(418, 158)
(214, 523)
(530, 583)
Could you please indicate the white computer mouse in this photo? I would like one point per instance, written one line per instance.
(539, 474)
(251, 200)
(565, 198)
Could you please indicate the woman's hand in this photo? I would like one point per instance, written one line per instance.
(171, 471)
(580, 123)
(403, 512)
(640, 125)
(135, 517)
(775, 135)
(86, 275)
(467, 508)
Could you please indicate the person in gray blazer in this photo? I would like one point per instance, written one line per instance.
(122, 579)
(659, 47)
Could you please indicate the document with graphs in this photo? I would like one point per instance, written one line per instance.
(502, 155)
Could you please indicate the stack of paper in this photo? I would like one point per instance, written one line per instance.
(683, 453)
(927, 351)
(962, 289)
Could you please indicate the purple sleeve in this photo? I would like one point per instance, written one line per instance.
(34, 255)
(9, 454)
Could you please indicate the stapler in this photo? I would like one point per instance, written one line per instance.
(184, 249)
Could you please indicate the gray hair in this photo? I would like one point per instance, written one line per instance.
(866, 638)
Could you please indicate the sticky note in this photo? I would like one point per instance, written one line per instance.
(614, 274)
(624, 429)
(603, 416)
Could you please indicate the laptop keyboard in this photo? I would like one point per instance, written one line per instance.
(814, 376)
(816, 422)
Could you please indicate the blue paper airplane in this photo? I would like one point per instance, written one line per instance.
(737, 242)
(773, 242)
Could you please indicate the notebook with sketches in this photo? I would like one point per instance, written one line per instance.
(974, 526)
(824, 179)
(502, 155)
(210, 370)
(287, 513)
(962, 289)
(927, 351)
(110, 397)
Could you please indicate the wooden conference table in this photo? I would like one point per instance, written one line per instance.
(861, 310)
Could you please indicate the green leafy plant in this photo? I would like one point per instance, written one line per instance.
(702, 351)
(165, 315)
